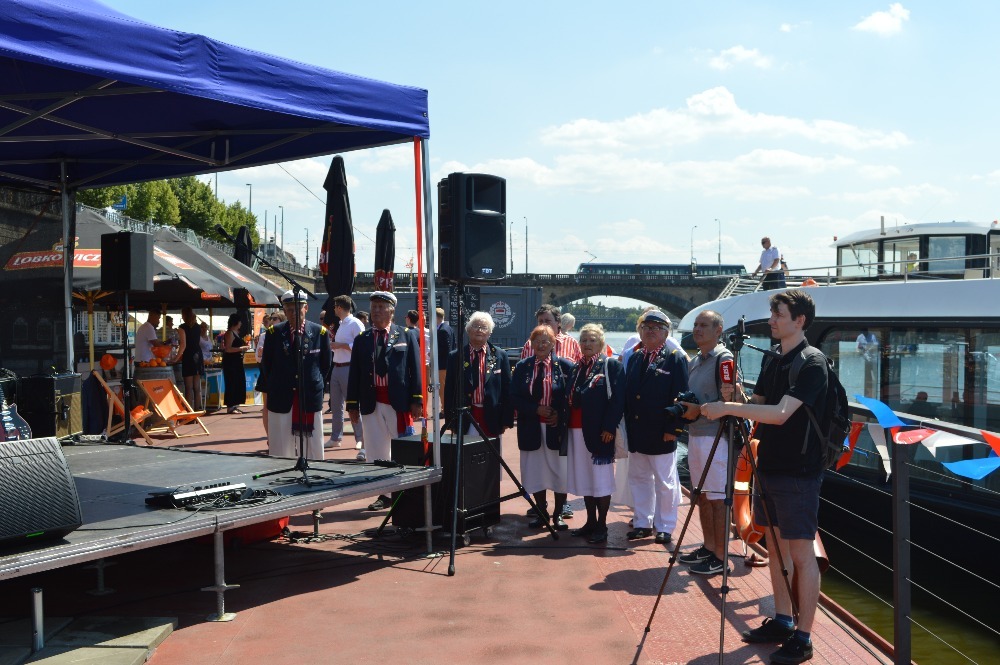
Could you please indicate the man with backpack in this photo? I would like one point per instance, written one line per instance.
(791, 461)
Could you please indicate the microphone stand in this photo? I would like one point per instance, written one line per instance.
(301, 464)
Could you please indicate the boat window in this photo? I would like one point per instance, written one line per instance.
(995, 255)
(750, 360)
(857, 358)
(858, 260)
(901, 256)
(942, 247)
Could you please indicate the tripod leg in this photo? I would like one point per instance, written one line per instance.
(695, 493)
(459, 438)
(510, 473)
(728, 424)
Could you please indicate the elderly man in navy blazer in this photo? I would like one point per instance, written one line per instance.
(384, 385)
(655, 375)
(279, 374)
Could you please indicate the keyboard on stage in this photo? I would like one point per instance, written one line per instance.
(208, 493)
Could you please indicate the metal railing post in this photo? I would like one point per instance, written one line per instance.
(902, 455)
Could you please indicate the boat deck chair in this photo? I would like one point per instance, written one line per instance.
(115, 406)
(169, 404)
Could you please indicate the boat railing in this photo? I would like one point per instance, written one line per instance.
(888, 482)
(922, 269)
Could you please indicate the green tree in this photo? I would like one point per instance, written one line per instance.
(102, 197)
(154, 201)
(199, 210)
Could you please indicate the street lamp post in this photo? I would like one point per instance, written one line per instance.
(692, 243)
(250, 205)
(525, 245)
(720, 241)
(282, 224)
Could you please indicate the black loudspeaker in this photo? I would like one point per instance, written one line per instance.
(472, 227)
(478, 494)
(51, 405)
(37, 490)
(127, 261)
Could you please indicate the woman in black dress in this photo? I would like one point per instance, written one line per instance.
(233, 349)
(192, 361)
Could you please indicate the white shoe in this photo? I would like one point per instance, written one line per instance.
(361, 456)
(333, 443)
(359, 445)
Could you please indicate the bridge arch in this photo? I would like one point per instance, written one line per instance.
(675, 305)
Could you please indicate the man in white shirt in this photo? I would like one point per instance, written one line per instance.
(343, 343)
(145, 337)
(770, 263)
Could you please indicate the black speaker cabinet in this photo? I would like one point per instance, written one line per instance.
(37, 490)
(478, 493)
(472, 227)
(127, 261)
(51, 404)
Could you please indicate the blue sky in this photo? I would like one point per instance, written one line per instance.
(619, 130)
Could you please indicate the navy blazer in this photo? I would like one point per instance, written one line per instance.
(601, 414)
(497, 410)
(647, 393)
(446, 343)
(529, 429)
(279, 366)
(405, 371)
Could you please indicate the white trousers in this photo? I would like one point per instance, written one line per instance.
(380, 427)
(656, 490)
(281, 442)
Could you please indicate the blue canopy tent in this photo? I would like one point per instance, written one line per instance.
(91, 97)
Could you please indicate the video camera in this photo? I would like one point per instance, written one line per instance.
(677, 409)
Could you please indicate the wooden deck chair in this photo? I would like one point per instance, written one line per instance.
(115, 406)
(169, 404)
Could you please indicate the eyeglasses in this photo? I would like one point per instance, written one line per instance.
(651, 326)
(479, 328)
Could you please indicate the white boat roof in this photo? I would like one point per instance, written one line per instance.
(896, 300)
(909, 230)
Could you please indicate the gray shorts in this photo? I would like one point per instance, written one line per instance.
(792, 504)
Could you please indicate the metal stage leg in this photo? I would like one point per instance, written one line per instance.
(220, 587)
(37, 621)
(99, 566)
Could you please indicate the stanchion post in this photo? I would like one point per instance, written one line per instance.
(902, 455)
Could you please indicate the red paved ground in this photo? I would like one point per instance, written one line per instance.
(517, 597)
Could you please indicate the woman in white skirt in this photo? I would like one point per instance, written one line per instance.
(539, 392)
(596, 405)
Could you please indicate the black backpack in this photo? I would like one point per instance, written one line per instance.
(836, 423)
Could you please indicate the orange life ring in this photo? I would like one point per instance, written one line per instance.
(750, 532)
(809, 281)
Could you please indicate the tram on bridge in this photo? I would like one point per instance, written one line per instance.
(662, 269)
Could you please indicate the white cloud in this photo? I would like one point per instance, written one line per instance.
(786, 27)
(896, 195)
(878, 171)
(887, 23)
(712, 113)
(735, 55)
(388, 158)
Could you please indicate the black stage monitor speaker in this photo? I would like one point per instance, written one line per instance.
(478, 493)
(472, 227)
(37, 491)
(51, 404)
(127, 261)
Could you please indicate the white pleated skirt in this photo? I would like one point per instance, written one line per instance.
(583, 477)
(543, 469)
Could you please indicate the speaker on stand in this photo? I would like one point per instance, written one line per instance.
(472, 228)
(126, 265)
(35, 478)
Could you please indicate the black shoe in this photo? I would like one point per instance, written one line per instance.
(544, 507)
(584, 530)
(380, 503)
(598, 536)
(662, 538)
(696, 556)
(713, 565)
(636, 534)
(558, 524)
(769, 631)
(792, 652)
(538, 522)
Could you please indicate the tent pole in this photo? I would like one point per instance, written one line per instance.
(431, 293)
(69, 247)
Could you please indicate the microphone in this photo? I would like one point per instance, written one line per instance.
(727, 371)
(221, 230)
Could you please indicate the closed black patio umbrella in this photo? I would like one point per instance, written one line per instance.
(243, 252)
(385, 252)
(336, 257)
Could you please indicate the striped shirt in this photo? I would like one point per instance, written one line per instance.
(566, 347)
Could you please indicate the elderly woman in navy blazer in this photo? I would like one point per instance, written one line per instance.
(539, 392)
(596, 401)
(486, 373)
